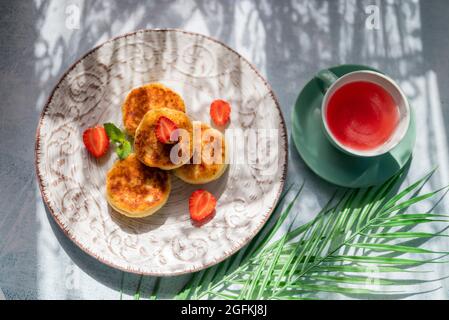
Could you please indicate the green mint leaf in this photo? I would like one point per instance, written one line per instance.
(123, 150)
(118, 137)
(114, 133)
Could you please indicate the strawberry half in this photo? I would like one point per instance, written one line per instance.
(96, 141)
(220, 112)
(164, 130)
(201, 205)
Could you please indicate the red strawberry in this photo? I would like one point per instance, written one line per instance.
(96, 141)
(164, 129)
(220, 112)
(201, 205)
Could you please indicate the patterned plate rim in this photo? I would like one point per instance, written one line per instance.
(204, 266)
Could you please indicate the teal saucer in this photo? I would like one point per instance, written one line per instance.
(328, 162)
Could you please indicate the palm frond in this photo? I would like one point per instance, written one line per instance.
(138, 289)
(155, 291)
(345, 249)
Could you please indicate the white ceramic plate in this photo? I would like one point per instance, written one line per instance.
(200, 69)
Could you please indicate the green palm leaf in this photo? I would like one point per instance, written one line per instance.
(354, 234)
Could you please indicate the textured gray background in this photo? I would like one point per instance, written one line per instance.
(287, 40)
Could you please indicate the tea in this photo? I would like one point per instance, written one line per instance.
(362, 115)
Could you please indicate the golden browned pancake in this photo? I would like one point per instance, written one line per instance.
(152, 152)
(145, 98)
(210, 166)
(136, 190)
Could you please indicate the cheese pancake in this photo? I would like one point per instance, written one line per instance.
(136, 190)
(213, 161)
(154, 153)
(145, 98)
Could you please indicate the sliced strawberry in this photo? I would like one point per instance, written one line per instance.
(164, 130)
(96, 141)
(201, 205)
(220, 112)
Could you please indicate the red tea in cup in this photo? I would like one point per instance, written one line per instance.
(362, 115)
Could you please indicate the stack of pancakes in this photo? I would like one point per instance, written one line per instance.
(139, 185)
